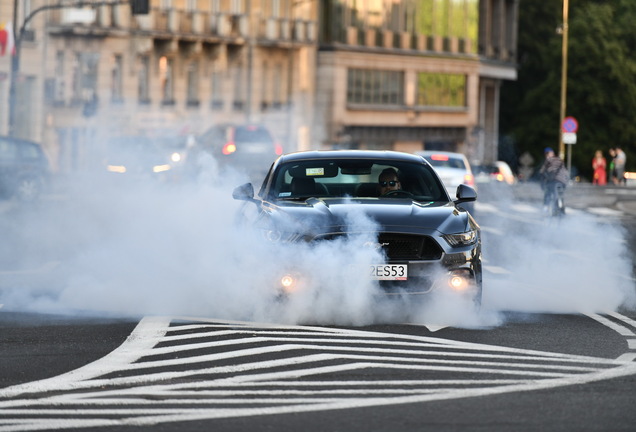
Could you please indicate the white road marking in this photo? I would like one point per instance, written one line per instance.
(621, 330)
(628, 357)
(623, 318)
(164, 374)
(604, 211)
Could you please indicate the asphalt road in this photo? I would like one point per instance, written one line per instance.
(530, 364)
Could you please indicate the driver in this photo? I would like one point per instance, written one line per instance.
(389, 181)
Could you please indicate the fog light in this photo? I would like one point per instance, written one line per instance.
(288, 283)
(458, 281)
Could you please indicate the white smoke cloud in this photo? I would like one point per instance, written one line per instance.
(149, 248)
(578, 264)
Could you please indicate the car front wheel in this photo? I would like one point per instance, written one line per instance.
(28, 189)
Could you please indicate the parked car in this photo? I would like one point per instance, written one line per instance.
(139, 158)
(24, 169)
(498, 171)
(453, 168)
(306, 197)
(246, 147)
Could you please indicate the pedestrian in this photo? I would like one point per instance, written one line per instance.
(619, 166)
(599, 166)
(612, 166)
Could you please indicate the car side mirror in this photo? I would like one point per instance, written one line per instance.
(244, 192)
(465, 193)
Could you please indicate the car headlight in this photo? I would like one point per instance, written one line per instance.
(120, 169)
(275, 236)
(462, 239)
(160, 168)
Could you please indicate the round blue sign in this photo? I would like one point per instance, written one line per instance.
(570, 124)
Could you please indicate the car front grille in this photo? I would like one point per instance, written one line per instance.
(397, 247)
(409, 247)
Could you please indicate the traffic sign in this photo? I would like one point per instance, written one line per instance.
(570, 125)
(569, 138)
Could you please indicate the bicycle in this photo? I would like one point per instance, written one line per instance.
(554, 201)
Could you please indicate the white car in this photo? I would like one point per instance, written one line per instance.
(453, 169)
(498, 171)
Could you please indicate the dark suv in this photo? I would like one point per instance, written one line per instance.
(243, 146)
(24, 168)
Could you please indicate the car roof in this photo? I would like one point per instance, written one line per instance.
(351, 154)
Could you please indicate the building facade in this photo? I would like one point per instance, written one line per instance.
(388, 74)
(87, 73)
(414, 74)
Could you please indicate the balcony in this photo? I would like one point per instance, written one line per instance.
(185, 24)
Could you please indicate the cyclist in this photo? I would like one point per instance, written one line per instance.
(555, 177)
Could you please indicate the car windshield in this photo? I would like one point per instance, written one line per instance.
(252, 135)
(134, 151)
(354, 178)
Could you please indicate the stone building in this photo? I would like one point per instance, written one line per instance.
(88, 73)
(414, 74)
(388, 74)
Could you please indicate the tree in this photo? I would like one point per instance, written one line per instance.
(601, 85)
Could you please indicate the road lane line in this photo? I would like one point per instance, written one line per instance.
(144, 337)
(623, 331)
(623, 318)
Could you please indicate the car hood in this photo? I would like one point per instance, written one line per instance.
(329, 215)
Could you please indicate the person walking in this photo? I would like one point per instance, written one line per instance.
(599, 166)
(619, 166)
(611, 174)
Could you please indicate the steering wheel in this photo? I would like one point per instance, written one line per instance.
(398, 193)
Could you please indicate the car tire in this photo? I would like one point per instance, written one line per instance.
(28, 189)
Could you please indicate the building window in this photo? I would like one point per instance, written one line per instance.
(265, 79)
(375, 87)
(441, 90)
(238, 96)
(277, 84)
(143, 84)
(58, 83)
(450, 19)
(85, 77)
(216, 85)
(192, 99)
(117, 76)
(166, 78)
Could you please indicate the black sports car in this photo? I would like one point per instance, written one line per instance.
(426, 241)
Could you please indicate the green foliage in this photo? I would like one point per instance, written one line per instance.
(601, 79)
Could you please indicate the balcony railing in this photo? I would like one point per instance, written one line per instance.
(195, 23)
(383, 38)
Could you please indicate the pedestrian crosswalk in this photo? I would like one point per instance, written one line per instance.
(179, 369)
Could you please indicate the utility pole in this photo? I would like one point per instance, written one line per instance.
(564, 77)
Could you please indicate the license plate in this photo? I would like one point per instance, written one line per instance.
(389, 272)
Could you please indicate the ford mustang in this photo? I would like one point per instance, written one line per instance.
(426, 241)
